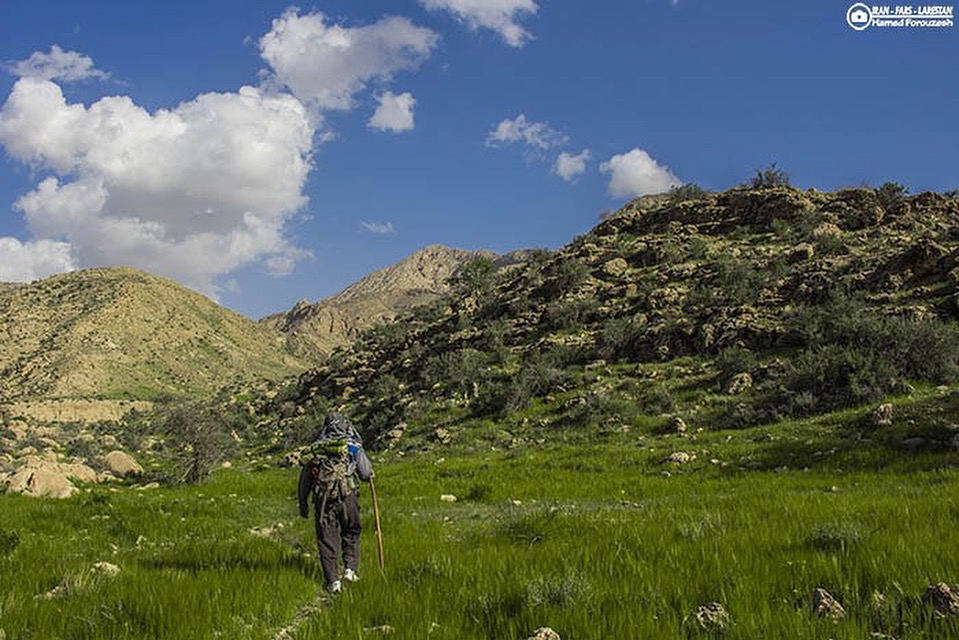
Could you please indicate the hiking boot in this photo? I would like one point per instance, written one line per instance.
(350, 576)
(335, 587)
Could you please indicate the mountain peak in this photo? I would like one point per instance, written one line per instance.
(314, 330)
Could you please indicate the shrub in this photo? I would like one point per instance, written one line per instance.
(197, 439)
(688, 191)
(769, 177)
(891, 194)
(562, 277)
(732, 361)
(9, 540)
(565, 591)
(479, 493)
(657, 400)
(620, 339)
(835, 376)
(838, 536)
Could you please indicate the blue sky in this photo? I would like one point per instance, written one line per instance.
(369, 130)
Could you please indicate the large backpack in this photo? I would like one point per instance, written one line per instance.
(332, 472)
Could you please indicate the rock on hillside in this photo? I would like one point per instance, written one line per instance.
(315, 330)
(746, 272)
(124, 334)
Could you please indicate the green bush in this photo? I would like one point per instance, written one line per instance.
(732, 361)
(769, 177)
(9, 540)
(620, 339)
(688, 191)
(891, 195)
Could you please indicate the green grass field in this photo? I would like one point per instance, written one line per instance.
(603, 541)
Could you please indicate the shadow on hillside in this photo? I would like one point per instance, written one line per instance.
(922, 435)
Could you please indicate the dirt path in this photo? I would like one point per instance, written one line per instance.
(304, 613)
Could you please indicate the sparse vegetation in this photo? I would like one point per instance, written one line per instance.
(768, 177)
(683, 193)
(678, 408)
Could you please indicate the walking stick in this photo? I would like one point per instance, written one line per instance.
(376, 518)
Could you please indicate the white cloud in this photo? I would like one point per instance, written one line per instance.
(32, 260)
(636, 174)
(538, 135)
(394, 113)
(501, 16)
(191, 193)
(67, 66)
(326, 65)
(568, 166)
(379, 228)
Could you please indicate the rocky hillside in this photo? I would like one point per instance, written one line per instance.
(118, 333)
(732, 308)
(314, 330)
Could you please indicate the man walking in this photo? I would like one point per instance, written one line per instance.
(335, 464)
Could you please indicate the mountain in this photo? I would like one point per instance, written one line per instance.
(722, 309)
(119, 333)
(314, 330)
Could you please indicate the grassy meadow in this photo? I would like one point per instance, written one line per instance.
(598, 541)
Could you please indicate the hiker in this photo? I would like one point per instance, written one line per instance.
(334, 464)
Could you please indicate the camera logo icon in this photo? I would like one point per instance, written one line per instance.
(859, 16)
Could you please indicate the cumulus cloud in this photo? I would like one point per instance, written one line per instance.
(67, 66)
(394, 113)
(537, 135)
(326, 65)
(569, 166)
(379, 228)
(636, 174)
(191, 193)
(27, 261)
(502, 16)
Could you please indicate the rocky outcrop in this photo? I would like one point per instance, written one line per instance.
(824, 605)
(122, 464)
(315, 330)
(46, 478)
(943, 598)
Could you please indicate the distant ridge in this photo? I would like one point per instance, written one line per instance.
(314, 330)
(120, 333)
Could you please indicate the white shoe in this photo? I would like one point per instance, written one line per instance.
(335, 587)
(350, 576)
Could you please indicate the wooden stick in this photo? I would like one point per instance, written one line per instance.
(376, 517)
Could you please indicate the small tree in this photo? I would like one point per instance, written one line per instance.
(891, 194)
(197, 439)
(769, 177)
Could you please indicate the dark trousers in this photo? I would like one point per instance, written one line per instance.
(338, 528)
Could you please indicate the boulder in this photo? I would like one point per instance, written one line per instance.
(681, 457)
(122, 464)
(824, 605)
(105, 569)
(677, 425)
(710, 617)
(40, 483)
(943, 598)
(39, 477)
(882, 415)
(739, 383)
(616, 267)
